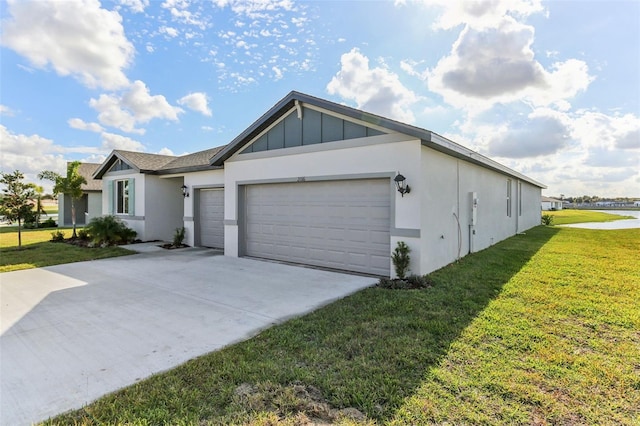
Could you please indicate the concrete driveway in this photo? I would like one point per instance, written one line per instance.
(72, 333)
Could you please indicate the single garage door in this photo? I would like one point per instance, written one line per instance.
(211, 218)
(335, 224)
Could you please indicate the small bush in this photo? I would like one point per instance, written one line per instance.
(49, 223)
(401, 259)
(411, 282)
(178, 237)
(83, 234)
(547, 219)
(109, 230)
(57, 236)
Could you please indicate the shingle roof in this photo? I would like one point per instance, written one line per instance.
(428, 138)
(197, 159)
(87, 170)
(543, 198)
(144, 161)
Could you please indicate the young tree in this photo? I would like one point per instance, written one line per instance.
(39, 209)
(17, 199)
(70, 185)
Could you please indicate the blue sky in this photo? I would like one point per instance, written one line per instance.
(551, 89)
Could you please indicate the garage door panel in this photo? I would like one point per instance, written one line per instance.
(338, 224)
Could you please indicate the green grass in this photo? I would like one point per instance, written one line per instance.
(37, 251)
(541, 328)
(565, 217)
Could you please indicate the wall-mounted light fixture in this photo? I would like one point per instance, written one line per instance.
(401, 184)
(185, 191)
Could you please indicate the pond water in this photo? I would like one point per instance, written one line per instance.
(616, 224)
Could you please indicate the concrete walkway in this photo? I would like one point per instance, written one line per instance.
(72, 333)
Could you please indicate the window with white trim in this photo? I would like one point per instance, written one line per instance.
(122, 196)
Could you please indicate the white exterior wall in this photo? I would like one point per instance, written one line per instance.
(386, 154)
(163, 207)
(194, 182)
(94, 205)
(449, 183)
(137, 220)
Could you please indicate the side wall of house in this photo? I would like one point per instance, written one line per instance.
(195, 182)
(450, 184)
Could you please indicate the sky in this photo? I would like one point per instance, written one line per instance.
(550, 89)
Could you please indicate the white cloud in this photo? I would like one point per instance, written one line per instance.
(376, 90)
(77, 123)
(492, 65)
(76, 38)
(255, 9)
(133, 107)
(111, 141)
(278, 74)
(482, 14)
(166, 151)
(197, 101)
(6, 111)
(30, 154)
(169, 31)
(136, 6)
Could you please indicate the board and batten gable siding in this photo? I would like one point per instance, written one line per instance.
(447, 203)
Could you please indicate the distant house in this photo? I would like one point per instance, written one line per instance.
(549, 203)
(89, 206)
(636, 203)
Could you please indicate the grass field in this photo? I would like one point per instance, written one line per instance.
(542, 328)
(38, 251)
(565, 217)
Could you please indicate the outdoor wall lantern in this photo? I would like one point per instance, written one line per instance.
(185, 191)
(400, 181)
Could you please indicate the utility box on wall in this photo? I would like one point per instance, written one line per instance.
(474, 208)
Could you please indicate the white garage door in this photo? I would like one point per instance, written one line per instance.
(211, 218)
(335, 224)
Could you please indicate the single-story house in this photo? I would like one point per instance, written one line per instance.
(549, 203)
(87, 207)
(318, 183)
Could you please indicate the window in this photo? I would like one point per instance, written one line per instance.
(509, 197)
(122, 197)
(119, 165)
(519, 198)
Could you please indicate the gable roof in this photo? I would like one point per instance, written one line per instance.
(143, 162)
(87, 170)
(428, 138)
(549, 199)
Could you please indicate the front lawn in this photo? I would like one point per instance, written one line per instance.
(539, 329)
(567, 216)
(37, 250)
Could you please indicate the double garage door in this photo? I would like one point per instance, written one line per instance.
(335, 224)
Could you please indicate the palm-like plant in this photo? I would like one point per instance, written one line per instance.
(70, 185)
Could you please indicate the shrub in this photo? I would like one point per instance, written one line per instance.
(109, 230)
(401, 259)
(57, 236)
(178, 237)
(49, 223)
(409, 283)
(547, 219)
(83, 234)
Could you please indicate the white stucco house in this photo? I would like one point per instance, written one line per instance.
(90, 205)
(548, 203)
(313, 182)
